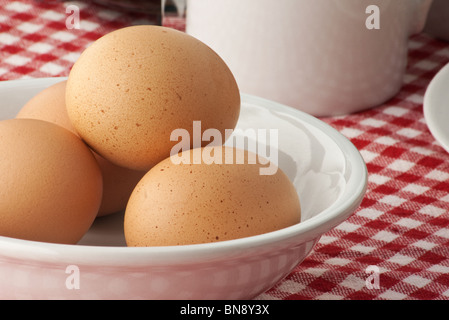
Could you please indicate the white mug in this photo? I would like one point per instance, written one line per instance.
(324, 57)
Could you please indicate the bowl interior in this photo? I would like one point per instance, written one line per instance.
(311, 157)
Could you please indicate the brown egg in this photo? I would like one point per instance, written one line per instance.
(189, 203)
(118, 182)
(134, 86)
(48, 105)
(51, 183)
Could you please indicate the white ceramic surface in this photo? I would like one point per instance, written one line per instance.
(436, 107)
(326, 169)
(315, 55)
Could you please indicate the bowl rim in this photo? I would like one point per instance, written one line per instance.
(310, 229)
(436, 93)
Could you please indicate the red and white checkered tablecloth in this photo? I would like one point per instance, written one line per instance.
(402, 226)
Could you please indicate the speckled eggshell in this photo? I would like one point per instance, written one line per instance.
(118, 182)
(178, 204)
(51, 183)
(132, 87)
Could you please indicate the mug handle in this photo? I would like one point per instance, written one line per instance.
(421, 10)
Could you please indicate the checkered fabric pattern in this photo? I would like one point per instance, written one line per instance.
(395, 246)
(35, 41)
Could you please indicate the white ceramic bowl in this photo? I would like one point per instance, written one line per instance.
(326, 169)
(436, 111)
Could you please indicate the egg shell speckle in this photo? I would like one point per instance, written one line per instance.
(177, 204)
(118, 182)
(133, 87)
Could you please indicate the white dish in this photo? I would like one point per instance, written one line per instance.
(436, 107)
(326, 169)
